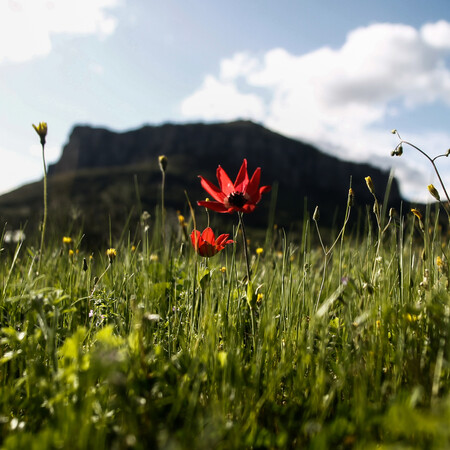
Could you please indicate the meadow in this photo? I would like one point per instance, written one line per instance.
(172, 340)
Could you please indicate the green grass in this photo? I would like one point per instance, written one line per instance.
(157, 349)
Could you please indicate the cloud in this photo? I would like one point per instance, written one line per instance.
(338, 99)
(222, 100)
(26, 26)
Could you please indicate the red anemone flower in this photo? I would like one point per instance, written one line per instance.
(206, 244)
(242, 195)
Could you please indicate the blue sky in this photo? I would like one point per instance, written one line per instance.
(338, 74)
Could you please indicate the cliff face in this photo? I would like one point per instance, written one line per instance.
(100, 170)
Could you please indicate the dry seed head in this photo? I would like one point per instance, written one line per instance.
(316, 215)
(433, 191)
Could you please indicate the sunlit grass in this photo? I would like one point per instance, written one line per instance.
(145, 344)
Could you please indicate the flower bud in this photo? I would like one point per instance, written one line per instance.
(417, 213)
(162, 159)
(370, 185)
(433, 191)
(351, 197)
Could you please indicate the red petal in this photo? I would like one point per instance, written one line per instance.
(220, 241)
(248, 207)
(215, 206)
(224, 182)
(212, 190)
(195, 238)
(253, 185)
(208, 236)
(242, 178)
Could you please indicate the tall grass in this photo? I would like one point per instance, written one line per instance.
(160, 352)
(156, 347)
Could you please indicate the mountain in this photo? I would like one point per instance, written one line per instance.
(104, 177)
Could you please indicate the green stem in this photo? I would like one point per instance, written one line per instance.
(44, 221)
(163, 210)
(244, 237)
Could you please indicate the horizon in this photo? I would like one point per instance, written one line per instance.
(119, 65)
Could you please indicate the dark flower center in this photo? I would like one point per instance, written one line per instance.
(237, 199)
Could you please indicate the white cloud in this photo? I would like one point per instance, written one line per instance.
(222, 100)
(26, 26)
(437, 34)
(337, 98)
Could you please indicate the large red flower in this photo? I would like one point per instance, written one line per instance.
(206, 244)
(242, 195)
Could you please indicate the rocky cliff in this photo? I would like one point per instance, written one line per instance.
(102, 173)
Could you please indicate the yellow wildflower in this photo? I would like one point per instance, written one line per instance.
(41, 130)
(259, 251)
(67, 240)
(111, 253)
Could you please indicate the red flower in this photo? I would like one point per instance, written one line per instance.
(206, 244)
(243, 195)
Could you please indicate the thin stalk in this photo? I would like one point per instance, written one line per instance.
(44, 220)
(244, 237)
(247, 264)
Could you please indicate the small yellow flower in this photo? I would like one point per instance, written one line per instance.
(259, 297)
(370, 185)
(133, 248)
(154, 257)
(70, 253)
(259, 251)
(67, 240)
(111, 253)
(41, 130)
(181, 220)
(223, 269)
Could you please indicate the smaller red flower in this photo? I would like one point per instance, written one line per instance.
(242, 195)
(205, 244)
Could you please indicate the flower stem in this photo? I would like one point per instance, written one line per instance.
(244, 237)
(247, 264)
(163, 211)
(44, 220)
